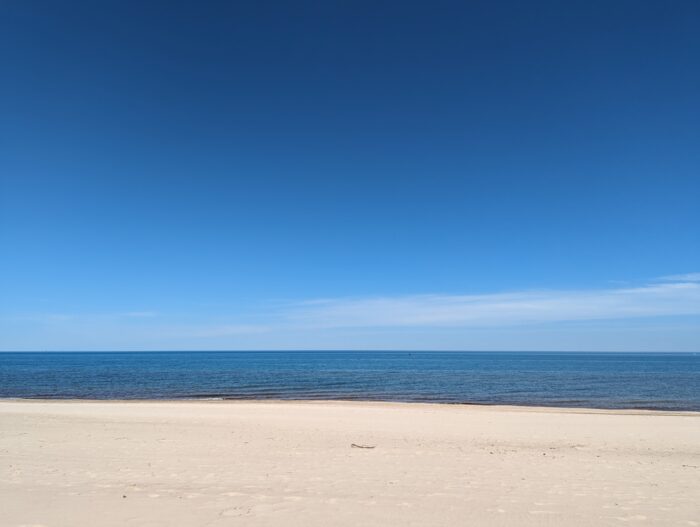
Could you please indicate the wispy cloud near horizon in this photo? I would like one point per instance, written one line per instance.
(313, 320)
(688, 277)
(682, 298)
(665, 299)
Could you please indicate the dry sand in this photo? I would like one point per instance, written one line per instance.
(74, 464)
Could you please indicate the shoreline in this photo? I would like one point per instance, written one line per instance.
(370, 402)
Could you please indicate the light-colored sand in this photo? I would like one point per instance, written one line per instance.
(74, 464)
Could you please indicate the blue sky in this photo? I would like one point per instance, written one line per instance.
(350, 175)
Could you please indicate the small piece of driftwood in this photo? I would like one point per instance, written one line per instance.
(353, 445)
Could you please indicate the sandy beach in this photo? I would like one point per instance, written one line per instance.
(74, 464)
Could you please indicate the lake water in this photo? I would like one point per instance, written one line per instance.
(600, 380)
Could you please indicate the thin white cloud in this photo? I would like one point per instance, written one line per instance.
(469, 311)
(688, 277)
(310, 319)
(501, 308)
(79, 317)
(221, 330)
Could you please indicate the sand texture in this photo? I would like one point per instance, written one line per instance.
(74, 464)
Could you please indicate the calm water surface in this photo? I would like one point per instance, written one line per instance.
(602, 380)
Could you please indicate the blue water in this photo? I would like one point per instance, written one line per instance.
(600, 380)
